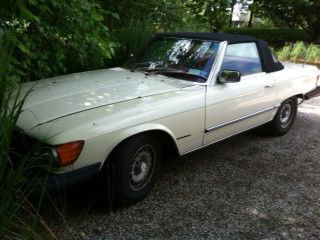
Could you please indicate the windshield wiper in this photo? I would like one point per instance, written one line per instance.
(177, 71)
(150, 67)
(166, 70)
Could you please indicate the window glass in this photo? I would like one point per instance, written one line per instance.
(186, 59)
(242, 57)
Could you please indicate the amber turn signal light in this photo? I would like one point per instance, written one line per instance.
(68, 153)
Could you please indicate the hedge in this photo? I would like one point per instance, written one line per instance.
(276, 37)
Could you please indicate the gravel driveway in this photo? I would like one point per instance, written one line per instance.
(246, 187)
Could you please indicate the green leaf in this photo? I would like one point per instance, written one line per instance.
(28, 15)
(24, 49)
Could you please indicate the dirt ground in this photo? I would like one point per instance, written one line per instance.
(246, 187)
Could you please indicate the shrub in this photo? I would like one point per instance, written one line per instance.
(300, 52)
(284, 53)
(19, 218)
(56, 37)
(313, 53)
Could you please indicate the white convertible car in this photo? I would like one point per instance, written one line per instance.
(183, 92)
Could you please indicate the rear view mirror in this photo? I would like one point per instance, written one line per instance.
(229, 76)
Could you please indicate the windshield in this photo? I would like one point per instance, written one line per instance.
(185, 59)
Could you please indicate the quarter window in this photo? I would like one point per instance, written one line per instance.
(242, 57)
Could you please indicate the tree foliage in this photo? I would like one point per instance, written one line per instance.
(292, 13)
(138, 20)
(168, 15)
(55, 37)
(214, 13)
(162, 15)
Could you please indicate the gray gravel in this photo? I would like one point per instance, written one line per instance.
(246, 187)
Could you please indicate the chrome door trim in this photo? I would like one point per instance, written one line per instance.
(212, 79)
(240, 119)
(234, 134)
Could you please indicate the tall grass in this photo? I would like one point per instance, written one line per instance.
(300, 52)
(19, 219)
(129, 40)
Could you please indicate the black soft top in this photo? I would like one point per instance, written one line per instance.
(268, 62)
(230, 38)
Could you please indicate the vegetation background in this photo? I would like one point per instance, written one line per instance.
(41, 39)
(59, 37)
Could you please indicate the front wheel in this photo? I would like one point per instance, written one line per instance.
(284, 119)
(135, 168)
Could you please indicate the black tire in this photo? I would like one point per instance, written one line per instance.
(133, 169)
(284, 119)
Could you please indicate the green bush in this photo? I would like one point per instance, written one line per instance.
(313, 53)
(276, 37)
(19, 219)
(300, 51)
(284, 53)
(56, 37)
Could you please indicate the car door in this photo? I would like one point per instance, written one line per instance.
(235, 107)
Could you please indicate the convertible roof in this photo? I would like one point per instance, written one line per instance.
(231, 38)
(269, 64)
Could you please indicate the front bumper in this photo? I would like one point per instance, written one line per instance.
(37, 178)
(52, 182)
(313, 93)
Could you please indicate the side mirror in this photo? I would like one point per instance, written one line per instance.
(229, 76)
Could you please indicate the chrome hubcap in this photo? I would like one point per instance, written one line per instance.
(142, 167)
(285, 115)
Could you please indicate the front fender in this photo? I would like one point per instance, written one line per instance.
(99, 148)
(126, 133)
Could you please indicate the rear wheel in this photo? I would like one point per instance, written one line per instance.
(284, 119)
(134, 168)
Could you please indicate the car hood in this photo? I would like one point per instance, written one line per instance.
(57, 97)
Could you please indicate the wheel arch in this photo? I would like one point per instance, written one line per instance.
(162, 133)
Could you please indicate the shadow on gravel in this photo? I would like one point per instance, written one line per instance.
(79, 200)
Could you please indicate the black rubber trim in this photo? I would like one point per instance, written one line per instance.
(179, 138)
(54, 181)
(313, 93)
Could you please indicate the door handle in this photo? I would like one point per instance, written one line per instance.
(270, 85)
